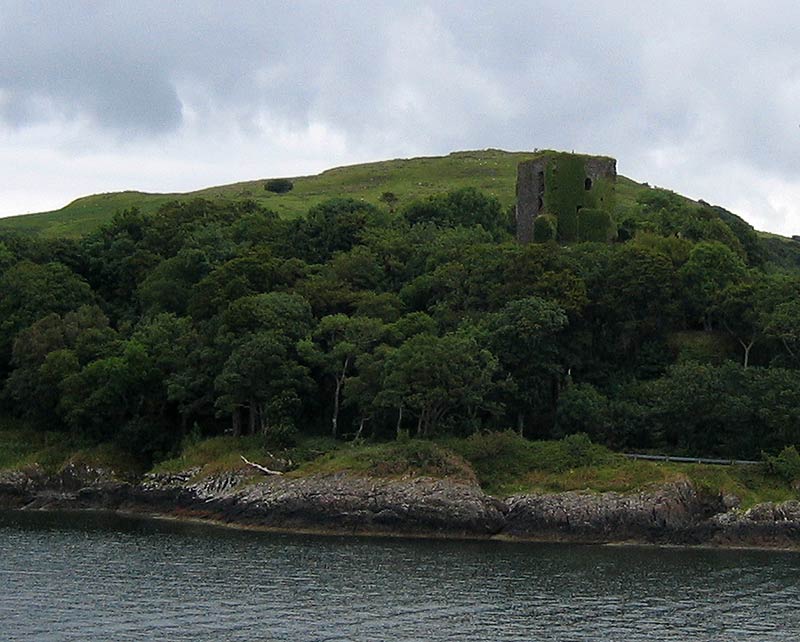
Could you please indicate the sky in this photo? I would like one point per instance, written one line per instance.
(701, 98)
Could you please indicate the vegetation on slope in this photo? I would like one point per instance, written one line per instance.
(491, 171)
(175, 335)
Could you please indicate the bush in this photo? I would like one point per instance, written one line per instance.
(545, 228)
(786, 464)
(282, 435)
(583, 409)
(502, 459)
(595, 225)
(279, 185)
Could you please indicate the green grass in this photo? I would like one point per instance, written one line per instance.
(502, 463)
(222, 454)
(215, 455)
(507, 464)
(21, 446)
(492, 171)
(108, 457)
(394, 459)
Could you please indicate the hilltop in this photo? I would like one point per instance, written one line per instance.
(491, 171)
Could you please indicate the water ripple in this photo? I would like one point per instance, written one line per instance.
(98, 577)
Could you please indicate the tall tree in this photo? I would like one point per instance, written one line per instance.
(523, 337)
(337, 343)
(434, 377)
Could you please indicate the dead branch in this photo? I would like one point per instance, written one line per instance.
(259, 467)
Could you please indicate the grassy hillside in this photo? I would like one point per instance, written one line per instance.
(492, 171)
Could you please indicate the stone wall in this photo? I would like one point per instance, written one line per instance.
(594, 188)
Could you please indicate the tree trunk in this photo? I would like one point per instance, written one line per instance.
(360, 428)
(788, 349)
(262, 417)
(236, 423)
(419, 425)
(399, 421)
(251, 424)
(336, 397)
(520, 422)
(746, 347)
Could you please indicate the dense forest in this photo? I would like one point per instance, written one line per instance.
(423, 319)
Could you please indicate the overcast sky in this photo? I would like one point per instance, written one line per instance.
(702, 98)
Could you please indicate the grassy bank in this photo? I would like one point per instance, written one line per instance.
(502, 463)
(21, 447)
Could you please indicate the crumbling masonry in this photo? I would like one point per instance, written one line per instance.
(572, 194)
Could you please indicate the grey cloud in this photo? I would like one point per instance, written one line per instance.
(718, 80)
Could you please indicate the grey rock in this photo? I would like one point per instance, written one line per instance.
(677, 513)
(670, 513)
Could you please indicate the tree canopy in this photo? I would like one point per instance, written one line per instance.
(431, 320)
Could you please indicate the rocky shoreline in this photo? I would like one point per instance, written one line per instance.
(674, 514)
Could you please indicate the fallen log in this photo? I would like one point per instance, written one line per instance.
(259, 467)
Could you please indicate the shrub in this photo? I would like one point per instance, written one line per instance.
(279, 185)
(583, 409)
(282, 435)
(545, 228)
(595, 225)
(786, 464)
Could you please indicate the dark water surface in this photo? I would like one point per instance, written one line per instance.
(104, 577)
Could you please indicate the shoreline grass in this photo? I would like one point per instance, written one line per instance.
(502, 463)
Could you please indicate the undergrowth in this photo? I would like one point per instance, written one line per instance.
(503, 463)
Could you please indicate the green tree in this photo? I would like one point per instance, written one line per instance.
(390, 199)
(262, 375)
(523, 337)
(279, 185)
(168, 287)
(711, 268)
(783, 324)
(433, 377)
(337, 343)
(335, 225)
(29, 292)
(463, 207)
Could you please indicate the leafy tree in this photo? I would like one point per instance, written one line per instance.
(333, 226)
(46, 352)
(433, 377)
(634, 300)
(263, 375)
(711, 268)
(463, 207)
(287, 314)
(523, 337)
(390, 199)
(29, 291)
(106, 394)
(783, 324)
(168, 287)
(584, 409)
(337, 343)
(261, 372)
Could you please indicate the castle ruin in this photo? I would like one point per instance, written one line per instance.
(566, 198)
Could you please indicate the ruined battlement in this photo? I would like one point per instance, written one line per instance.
(566, 198)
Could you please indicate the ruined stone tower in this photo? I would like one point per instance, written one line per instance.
(566, 198)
